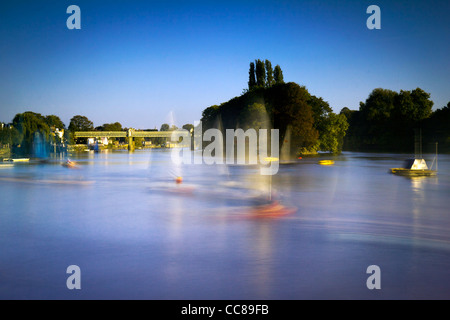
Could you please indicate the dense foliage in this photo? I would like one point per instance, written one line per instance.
(390, 121)
(31, 133)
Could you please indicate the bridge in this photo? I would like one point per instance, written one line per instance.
(129, 135)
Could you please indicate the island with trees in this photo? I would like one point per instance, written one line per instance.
(270, 103)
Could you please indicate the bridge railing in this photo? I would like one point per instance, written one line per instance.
(100, 134)
(125, 134)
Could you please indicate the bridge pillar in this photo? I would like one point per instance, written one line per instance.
(130, 140)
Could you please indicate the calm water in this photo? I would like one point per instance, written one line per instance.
(136, 235)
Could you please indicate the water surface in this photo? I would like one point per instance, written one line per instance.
(135, 234)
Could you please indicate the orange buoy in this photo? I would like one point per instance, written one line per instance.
(179, 180)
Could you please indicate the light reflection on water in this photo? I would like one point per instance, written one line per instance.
(136, 234)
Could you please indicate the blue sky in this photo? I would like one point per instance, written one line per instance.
(144, 63)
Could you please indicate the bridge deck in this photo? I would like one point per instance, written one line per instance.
(124, 134)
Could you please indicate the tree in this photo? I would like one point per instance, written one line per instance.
(378, 119)
(9, 136)
(54, 121)
(331, 127)
(116, 126)
(290, 109)
(165, 127)
(34, 134)
(209, 116)
(188, 127)
(436, 128)
(347, 112)
(320, 109)
(269, 74)
(331, 135)
(80, 123)
(252, 79)
(413, 106)
(379, 105)
(254, 116)
(278, 75)
(260, 74)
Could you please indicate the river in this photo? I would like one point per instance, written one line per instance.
(136, 234)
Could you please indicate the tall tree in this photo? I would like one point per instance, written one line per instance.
(278, 75)
(269, 74)
(252, 79)
(260, 74)
(80, 123)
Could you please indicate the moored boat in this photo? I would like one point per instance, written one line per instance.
(413, 168)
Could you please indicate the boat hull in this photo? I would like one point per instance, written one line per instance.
(413, 172)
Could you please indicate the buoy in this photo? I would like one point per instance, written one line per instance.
(300, 158)
(326, 162)
(179, 180)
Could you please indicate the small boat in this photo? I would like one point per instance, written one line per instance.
(271, 210)
(326, 162)
(70, 164)
(417, 166)
(413, 168)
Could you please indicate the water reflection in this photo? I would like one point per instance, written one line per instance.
(262, 245)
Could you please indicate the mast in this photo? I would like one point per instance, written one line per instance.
(436, 156)
(420, 139)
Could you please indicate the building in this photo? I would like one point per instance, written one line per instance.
(101, 141)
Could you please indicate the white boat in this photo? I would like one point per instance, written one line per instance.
(414, 167)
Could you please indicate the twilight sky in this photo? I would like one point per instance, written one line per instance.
(144, 63)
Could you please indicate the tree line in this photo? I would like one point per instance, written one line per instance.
(33, 134)
(390, 121)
